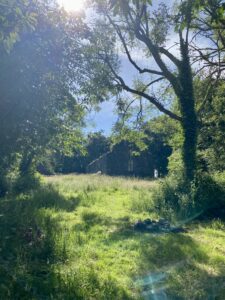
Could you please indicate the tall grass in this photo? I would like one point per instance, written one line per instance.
(98, 182)
(73, 238)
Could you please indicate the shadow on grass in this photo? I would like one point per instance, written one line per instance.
(173, 266)
(33, 246)
(49, 197)
(91, 218)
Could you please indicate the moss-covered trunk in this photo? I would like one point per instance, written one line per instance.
(189, 118)
(189, 146)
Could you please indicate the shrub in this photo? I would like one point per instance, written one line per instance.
(26, 182)
(209, 194)
(175, 162)
(177, 199)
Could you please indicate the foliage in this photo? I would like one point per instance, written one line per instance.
(183, 201)
(175, 165)
(168, 133)
(211, 134)
(39, 113)
(39, 103)
(97, 144)
(148, 148)
(28, 181)
(136, 137)
(93, 145)
(16, 17)
(152, 139)
(210, 146)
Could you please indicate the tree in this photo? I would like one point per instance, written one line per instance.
(38, 109)
(97, 144)
(138, 27)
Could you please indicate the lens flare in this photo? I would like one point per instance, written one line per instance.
(72, 5)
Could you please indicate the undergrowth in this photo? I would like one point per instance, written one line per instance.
(181, 201)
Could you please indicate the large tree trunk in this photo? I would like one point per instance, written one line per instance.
(189, 122)
(189, 126)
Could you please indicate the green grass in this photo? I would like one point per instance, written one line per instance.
(87, 248)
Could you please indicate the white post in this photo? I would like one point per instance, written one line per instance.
(156, 173)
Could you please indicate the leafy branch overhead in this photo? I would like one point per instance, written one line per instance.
(16, 17)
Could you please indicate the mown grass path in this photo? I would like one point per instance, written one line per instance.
(73, 239)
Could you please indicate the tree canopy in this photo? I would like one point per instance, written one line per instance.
(39, 109)
(166, 39)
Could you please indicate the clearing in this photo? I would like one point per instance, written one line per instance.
(72, 238)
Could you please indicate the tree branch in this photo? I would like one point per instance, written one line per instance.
(170, 56)
(142, 94)
(140, 70)
(156, 54)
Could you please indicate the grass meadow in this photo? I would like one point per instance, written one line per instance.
(72, 238)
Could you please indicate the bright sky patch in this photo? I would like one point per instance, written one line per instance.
(72, 5)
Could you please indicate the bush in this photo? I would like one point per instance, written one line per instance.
(177, 199)
(26, 182)
(209, 194)
(175, 162)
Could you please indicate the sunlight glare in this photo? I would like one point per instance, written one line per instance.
(72, 5)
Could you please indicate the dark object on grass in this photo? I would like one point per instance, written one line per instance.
(161, 226)
(139, 225)
(148, 221)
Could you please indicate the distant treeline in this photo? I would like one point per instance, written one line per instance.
(123, 158)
